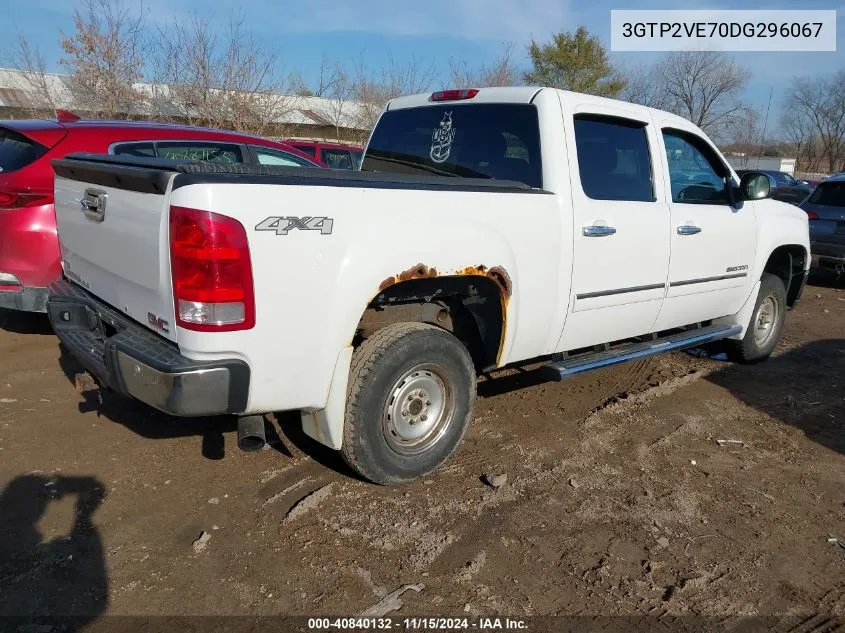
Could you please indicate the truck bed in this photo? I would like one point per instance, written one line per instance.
(117, 247)
(152, 175)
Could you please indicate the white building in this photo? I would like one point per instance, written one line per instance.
(744, 161)
(315, 118)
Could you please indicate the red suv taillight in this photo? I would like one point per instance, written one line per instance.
(211, 271)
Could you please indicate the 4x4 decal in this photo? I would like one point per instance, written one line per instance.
(281, 225)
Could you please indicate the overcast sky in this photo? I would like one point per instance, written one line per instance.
(434, 31)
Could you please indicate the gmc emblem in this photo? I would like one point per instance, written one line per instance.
(157, 323)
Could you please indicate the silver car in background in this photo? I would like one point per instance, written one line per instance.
(825, 208)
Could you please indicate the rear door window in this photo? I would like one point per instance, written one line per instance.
(17, 151)
(206, 152)
(613, 158)
(483, 140)
(338, 158)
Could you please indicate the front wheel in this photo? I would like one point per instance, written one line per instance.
(766, 326)
(409, 402)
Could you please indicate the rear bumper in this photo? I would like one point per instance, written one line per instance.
(126, 357)
(827, 255)
(25, 299)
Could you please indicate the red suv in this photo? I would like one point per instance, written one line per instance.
(334, 155)
(29, 248)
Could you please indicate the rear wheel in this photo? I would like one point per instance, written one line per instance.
(411, 393)
(766, 326)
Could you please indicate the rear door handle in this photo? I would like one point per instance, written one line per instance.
(688, 229)
(598, 231)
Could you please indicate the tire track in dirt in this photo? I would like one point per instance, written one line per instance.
(435, 526)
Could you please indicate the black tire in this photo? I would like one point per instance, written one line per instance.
(399, 375)
(753, 349)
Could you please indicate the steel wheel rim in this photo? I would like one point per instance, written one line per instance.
(419, 410)
(764, 320)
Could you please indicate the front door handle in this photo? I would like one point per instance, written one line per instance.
(598, 231)
(688, 229)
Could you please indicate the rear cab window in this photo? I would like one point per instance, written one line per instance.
(17, 151)
(829, 194)
(782, 176)
(482, 140)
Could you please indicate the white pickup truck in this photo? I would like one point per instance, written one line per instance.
(487, 228)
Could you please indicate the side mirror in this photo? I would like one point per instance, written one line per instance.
(755, 185)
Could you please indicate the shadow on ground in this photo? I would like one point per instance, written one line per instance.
(64, 577)
(826, 279)
(25, 322)
(152, 424)
(803, 387)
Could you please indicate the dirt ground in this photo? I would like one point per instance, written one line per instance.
(619, 498)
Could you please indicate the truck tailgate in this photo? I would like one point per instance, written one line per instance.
(112, 223)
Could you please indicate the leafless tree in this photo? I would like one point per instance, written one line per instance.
(332, 94)
(818, 104)
(503, 72)
(299, 86)
(331, 74)
(336, 87)
(744, 132)
(226, 81)
(28, 60)
(798, 130)
(702, 86)
(105, 57)
(372, 91)
(643, 86)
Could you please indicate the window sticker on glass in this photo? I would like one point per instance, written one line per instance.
(441, 139)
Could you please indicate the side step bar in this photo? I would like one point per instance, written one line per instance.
(681, 340)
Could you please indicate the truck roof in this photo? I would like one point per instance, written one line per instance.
(526, 94)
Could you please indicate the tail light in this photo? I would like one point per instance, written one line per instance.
(211, 271)
(18, 199)
(812, 215)
(9, 282)
(453, 95)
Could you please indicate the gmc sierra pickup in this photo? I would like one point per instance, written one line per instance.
(487, 228)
